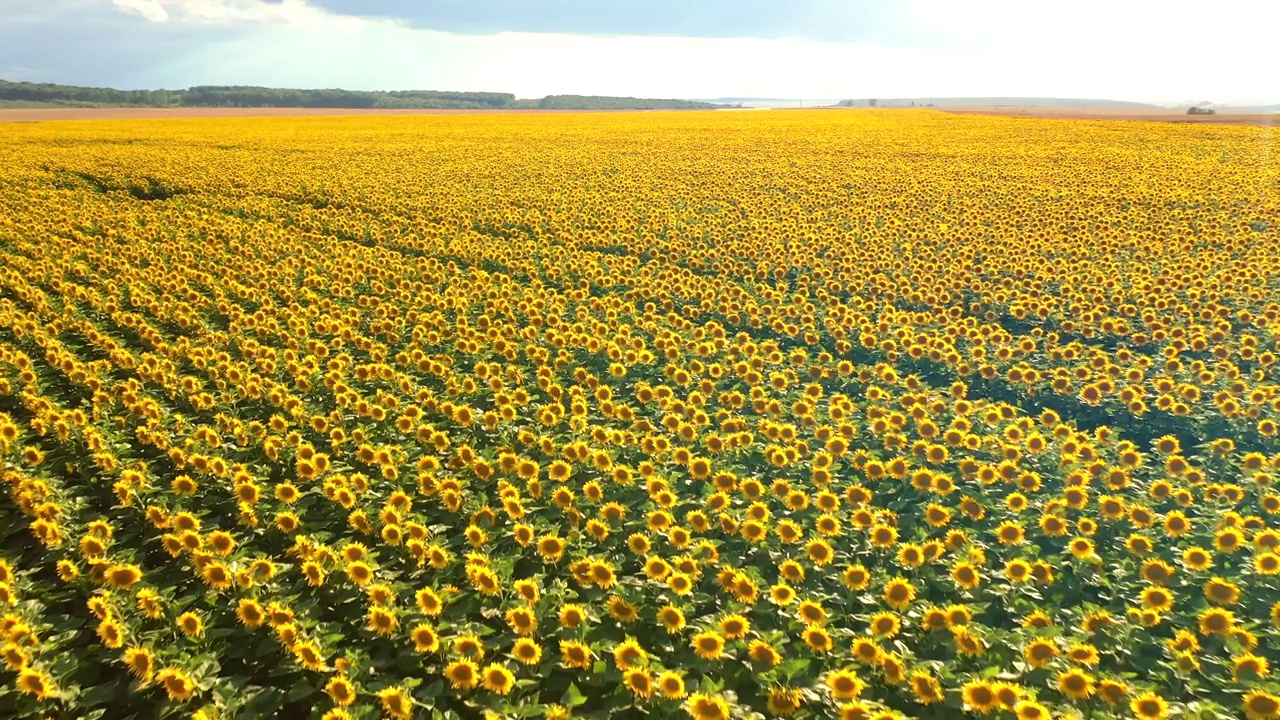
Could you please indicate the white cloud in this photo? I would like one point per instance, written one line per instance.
(237, 12)
(149, 9)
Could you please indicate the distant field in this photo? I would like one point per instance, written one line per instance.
(33, 105)
(1148, 114)
(36, 112)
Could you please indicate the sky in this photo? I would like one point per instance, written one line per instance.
(1147, 50)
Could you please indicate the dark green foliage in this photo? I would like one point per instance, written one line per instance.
(251, 96)
(75, 96)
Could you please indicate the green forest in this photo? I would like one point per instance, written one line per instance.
(49, 95)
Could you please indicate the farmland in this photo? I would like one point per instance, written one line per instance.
(852, 414)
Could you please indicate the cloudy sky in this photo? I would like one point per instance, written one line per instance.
(1161, 50)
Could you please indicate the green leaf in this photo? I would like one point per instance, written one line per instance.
(572, 697)
(300, 689)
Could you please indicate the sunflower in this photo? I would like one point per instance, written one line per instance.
(639, 681)
(844, 684)
(1187, 662)
(1149, 706)
(898, 593)
(680, 583)
(360, 573)
(1267, 563)
(1248, 665)
(1017, 570)
(937, 515)
(885, 624)
(1076, 684)
(309, 655)
(141, 662)
(551, 548)
(382, 621)
(657, 568)
(628, 654)
(866, 651)
(1083, 654)
(783, 701)
(782, 594)
(1157, 598)
(575, 655)
(497, 679)
(856, 577)
(762, 653)
(462, 674)
(621, 610)
(1007, 694)
(469, 646)
(425, 638)
(1081, 547)
(672, 619)
(428, 601)
(671, 685)
(1156, 571)
(893, 668)
(1037, 619)
(1010, 533)
(1030, 710)
(819, 552)
(925, 687)
(707, 707)
(1197, 559)
(522, 620)
(957, 616)
(1216, 621)
(964, 574)
(1040, 652)
(571, 616)
(1221, 592)
(734, 626)
(111, 633)
(1260, 705)
(708, 645)
(818, 639)
(968, 643)
(933, 618)
(340, 691)
(811, 612)
(123, 577)
(856, 710)
(979, 696)
(883, 536)
(176, 684)
(396, 702)
(1228, 540)
(191, 625)
(526, 651)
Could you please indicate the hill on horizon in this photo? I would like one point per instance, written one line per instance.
(995, 101)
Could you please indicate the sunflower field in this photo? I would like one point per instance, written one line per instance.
(814, 414)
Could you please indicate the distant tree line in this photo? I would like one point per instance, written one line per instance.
(257, 97)
(75, 96)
